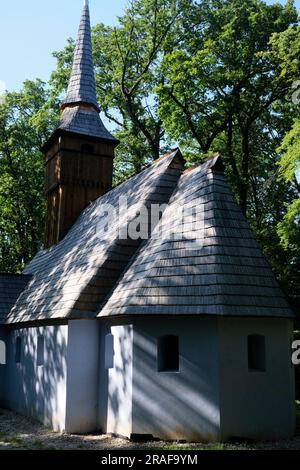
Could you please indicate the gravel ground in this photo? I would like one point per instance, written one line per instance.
(19, 433)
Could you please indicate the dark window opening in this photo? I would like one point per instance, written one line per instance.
(87, 148)
(18, 349)
(257, 353)
(109, 351)
(2, 353)
(40, 350)
(168, 353)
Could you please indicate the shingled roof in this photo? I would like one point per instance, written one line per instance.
(71, 279)
(11, 286)
(83, 121)
(82, 87)
(212, 266)
(80, 109)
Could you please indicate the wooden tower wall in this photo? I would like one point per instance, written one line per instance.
(77, 171)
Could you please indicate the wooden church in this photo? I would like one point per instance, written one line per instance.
(181, 334)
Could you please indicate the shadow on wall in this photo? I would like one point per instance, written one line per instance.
(3, 362)
(166, 405)
(183, 404)
(119, 407)
(38, 390)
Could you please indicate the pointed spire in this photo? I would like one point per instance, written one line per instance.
(82, 87)
(80, 109)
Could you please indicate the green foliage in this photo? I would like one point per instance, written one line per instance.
(224, 78)
(289, 228)
(290, 149)
(25, 123)
(127, 60)
(132, 154)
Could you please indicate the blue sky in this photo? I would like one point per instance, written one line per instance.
(31, 29)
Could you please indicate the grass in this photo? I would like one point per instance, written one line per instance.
(8, 439)
(216, 446)
(14, 440)
(39, 445)
(239, 445)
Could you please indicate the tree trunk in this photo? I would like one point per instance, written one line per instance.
(245, 170)
(230, 148)
(156, 141)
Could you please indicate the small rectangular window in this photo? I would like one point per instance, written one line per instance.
(256, 353)
(109, 351)
(40, 350)
(18, 349)
(2, 353)
(168, 353)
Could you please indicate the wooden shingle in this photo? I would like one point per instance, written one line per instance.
(76, 274)
(221, 272)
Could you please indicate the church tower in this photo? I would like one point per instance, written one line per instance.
(79, 154)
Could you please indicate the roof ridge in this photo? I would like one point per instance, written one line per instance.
(215, 156)
(146, 167)
(165, 155)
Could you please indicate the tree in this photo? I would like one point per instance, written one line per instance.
(289, 227)
(127, 60)
(224, 76)
(26, 121)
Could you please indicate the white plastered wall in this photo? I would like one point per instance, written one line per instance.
(82, 376)
(115, 384)
(38, 391)
(177, 405)
(254, 404)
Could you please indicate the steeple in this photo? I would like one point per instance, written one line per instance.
(82, 88)
(80, 109)
(79, 154)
